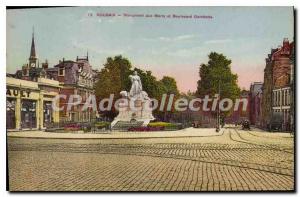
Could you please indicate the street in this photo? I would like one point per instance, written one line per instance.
(233, 160)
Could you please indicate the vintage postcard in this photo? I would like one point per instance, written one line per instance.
(150, 99)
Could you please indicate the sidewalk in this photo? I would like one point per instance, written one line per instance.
(188, 132)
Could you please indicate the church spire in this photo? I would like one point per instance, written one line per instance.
(32, 51)
(32, 57)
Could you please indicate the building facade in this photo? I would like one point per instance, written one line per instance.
(76, 78)
(73, 77)
(29, 104)
(276, 96)
(255, 95)
(31, 71)
(239, 115)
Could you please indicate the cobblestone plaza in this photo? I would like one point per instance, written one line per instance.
(233, 160)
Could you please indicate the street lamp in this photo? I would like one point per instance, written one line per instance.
(20, 121)
(218, 112)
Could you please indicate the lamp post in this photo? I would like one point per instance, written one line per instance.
(20, 121)
(218, 112)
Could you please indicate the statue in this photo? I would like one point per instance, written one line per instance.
(142, 111)
(136, 86)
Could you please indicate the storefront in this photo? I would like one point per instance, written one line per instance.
(28, 114)
(10, 113)
(29, 104)
(48, 113)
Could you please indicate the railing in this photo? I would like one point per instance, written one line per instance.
(72, 126)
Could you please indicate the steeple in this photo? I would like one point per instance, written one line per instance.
(32, 57)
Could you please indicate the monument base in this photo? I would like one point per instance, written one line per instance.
(133, 113)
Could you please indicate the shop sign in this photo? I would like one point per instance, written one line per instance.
(17, 92)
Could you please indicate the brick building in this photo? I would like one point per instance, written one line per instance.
(76, 78)
(276, 98)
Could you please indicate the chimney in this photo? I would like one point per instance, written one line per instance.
(286, 43)
(45, 65)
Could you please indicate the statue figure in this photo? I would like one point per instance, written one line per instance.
(142, 113)
(124, 94)
(136, 86)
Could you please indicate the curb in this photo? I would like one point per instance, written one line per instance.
(110, 138)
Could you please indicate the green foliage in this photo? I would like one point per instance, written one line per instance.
(114, 78)
(102, 124)
(159, 124)
(169, 85)
(189, 95)
(165, 125)
(218, 70)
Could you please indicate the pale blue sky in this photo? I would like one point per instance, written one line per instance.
(174, 47)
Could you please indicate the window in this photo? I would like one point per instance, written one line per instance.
(278, 98)
(283, 97)
(288, 97)
(275, 98)
(10, 114)
(48, 112)
(28, 114)
(61, 72)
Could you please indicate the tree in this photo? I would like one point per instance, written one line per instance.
(217, 70)
(169, 85)
(150, 83)
(114, 77)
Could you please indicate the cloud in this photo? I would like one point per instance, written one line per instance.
(167, 39)
(172, 39)
(217, 41)
(186, 52)
(185, 37)
(99, 50)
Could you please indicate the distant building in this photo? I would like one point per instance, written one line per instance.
(267, 92)
(32, 70)
(240, 114)
(255, 95)
(76, 78)
(292, 91)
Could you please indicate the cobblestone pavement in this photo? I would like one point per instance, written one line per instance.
(235, 160)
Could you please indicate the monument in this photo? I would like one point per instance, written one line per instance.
(134, 107)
